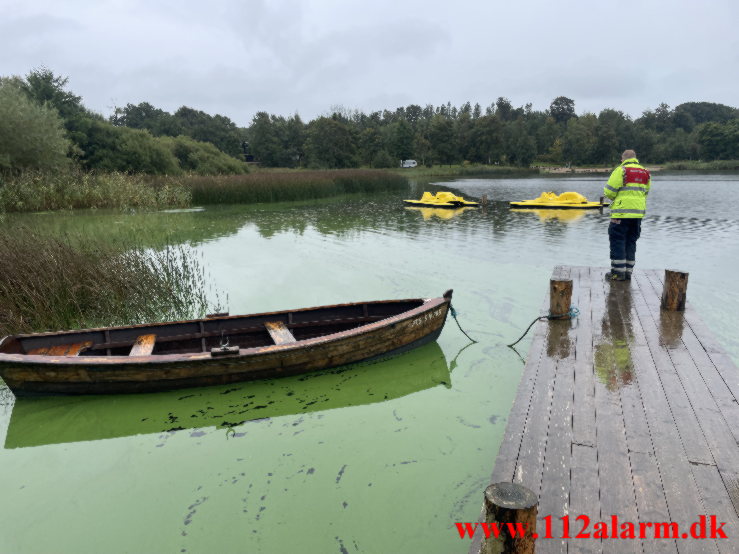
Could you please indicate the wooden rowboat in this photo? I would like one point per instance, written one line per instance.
(219, 349)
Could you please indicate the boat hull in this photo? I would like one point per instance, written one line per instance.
(445, 205)
(33, 375)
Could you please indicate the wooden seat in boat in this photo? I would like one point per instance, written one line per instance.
(62, 349)
(143, 346)
(279, 332)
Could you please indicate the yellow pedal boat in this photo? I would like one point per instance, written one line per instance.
(442, 199)
(566, 200)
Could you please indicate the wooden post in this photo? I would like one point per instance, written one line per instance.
(675, 290)
(560, 296)
(510, 503)
(484, 200)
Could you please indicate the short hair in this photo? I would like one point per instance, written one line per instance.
(628, 154)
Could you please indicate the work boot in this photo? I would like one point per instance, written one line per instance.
(616, 276)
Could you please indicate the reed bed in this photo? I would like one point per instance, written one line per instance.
(48, 284)
(37, 191)
(283, 186)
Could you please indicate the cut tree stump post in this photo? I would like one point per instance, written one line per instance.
(674, 291)
(515, 504)
(560, 296)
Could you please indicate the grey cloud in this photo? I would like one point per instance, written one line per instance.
(238, 57)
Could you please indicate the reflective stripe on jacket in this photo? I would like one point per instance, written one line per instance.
(628, 187)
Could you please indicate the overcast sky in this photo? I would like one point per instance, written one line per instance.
(236, 58)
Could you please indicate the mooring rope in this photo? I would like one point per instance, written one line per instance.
(571, 313)
(454, 315)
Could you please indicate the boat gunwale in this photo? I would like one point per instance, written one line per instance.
(427, 304)
(205, 319)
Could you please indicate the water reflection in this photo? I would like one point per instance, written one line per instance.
(441, 213)
(559, 343)
(565, 216)
(668, 217)
(51, 420)
(671, 325)
(147, 229)
(612, 355)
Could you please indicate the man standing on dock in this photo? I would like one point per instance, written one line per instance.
(627, 187)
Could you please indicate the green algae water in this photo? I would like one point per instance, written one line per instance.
(376, 458)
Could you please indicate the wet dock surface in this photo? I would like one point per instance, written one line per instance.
(626, 411)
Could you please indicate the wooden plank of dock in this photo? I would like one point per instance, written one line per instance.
(626, 411)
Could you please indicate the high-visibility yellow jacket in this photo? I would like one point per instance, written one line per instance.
(628, 187)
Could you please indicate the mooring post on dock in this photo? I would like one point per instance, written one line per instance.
(674, 291)
(560, 295)
(515, 504)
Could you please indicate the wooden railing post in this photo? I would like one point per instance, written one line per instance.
(674, 291)
(515, 504)
(560, 295)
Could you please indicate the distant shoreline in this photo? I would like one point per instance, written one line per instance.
(580, 170)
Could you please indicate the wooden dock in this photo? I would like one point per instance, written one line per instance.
(627, 411)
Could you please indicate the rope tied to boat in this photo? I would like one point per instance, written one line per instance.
(572, 313)
(454, 315)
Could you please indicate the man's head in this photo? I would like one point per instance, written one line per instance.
(627, 155)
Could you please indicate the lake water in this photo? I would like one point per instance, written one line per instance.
(378, 458)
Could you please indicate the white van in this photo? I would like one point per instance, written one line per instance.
(408, 163)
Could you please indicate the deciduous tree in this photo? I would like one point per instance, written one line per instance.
(32, 135)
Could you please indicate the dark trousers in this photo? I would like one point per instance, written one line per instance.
(623, 234)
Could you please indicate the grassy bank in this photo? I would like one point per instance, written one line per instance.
(467, 171)
(284, 186)
(37, 192)
(716, 165)
(48, 284)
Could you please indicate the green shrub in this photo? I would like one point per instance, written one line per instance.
(383, 160)
(202, 158)
(110, 148)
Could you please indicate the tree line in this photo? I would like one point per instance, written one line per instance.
(496, 134)
(43, 125)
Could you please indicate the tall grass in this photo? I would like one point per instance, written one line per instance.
(48, 284)
(38, 191)
(282, 186)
